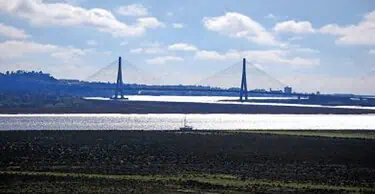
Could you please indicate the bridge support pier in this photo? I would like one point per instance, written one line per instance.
(243, 91)
(119, 83)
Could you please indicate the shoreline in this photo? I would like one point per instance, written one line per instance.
(158, 107)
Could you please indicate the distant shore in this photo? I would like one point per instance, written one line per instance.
(156, 107)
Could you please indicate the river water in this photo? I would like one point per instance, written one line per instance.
(174, 121)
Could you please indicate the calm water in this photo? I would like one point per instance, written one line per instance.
(174, 121)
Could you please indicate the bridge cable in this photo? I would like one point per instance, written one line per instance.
(115, 62)
(266, 74)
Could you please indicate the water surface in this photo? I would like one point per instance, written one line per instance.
(174, 121)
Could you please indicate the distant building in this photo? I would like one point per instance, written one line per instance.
(288, 90)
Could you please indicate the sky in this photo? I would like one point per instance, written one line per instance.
(319, 45)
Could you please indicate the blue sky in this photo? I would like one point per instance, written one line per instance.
(310, 45)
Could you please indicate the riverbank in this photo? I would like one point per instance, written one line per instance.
(159, 107)
(175, 162)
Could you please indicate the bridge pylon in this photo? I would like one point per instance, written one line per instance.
(119, 82)
(243, 91)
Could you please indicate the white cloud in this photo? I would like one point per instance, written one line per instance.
(12, 32)
(294, 27)
(359, 34)
(132, 10)
(15, 48)
(372, 52)
(178, 25)
(74, 2)
(60, 61)
(147, 50)
(164, 60)
(136, 50)
(210, 55)
(298, 61)
(91, 42)
(153, 50)
(307, 50)
(150, 22)
(38, 12)
(182, 47)
(69, 54)
(236, 25)
(259, 56)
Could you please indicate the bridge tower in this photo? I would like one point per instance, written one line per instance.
(119, 83)
(243, 91)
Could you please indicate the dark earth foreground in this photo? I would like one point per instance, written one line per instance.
(196, 162)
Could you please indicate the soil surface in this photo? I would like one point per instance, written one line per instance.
(254, 162)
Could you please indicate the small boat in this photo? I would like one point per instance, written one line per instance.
(119, 98)
(186, 127)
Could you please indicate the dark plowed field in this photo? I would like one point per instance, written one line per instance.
(271, 158)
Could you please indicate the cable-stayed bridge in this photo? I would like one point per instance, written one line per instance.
(231, 77)
(226, 80)
(130, 73)
(242, 78)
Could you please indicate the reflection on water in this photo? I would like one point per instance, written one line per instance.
(174, 121)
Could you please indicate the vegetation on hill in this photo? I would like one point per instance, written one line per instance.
(24, 81)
